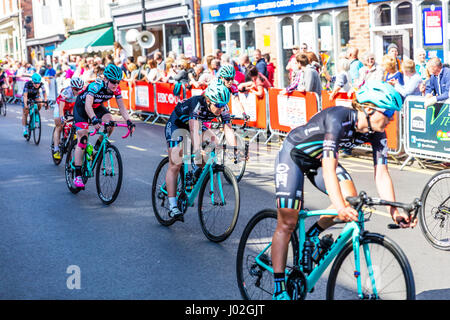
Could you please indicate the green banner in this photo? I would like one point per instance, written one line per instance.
(428, 129)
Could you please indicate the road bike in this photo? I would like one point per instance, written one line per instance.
(217, 190)
(67, 135)
(235, 158)
(2, 102)
(107, 162)
(34, 123)
(366, 265)
(434, 217)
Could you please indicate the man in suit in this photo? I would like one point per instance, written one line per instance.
(437, 88)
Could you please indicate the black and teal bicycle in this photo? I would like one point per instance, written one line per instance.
(217, 190)
(34, 123)
(366, 265)
(107, 163)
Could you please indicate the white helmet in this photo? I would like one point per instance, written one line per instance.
(77, 83)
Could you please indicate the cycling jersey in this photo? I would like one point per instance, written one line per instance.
(68, 97)
(323, 136)
(194, 108)
(31, 91)
(99, 90)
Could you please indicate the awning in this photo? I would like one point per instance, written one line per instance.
(90, 41)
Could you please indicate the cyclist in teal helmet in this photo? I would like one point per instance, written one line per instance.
(226, 74)
(312, 150)
(90, 109)
(187, 121)
(33, 90)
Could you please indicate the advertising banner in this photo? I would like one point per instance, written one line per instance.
(427, 131)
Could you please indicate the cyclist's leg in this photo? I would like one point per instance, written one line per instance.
(105, 116)
(58, 128)
(348, 189)
(82, 127)
(25, 111)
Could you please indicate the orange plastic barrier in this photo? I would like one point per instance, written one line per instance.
(126, 94)
(195, 91)
(393, 134)
(341, 99)
(143, 96)
(165, 99)
(254, 107)
(292, 110)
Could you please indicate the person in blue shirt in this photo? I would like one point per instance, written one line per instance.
(437, 88)
(50, 72)
(355, 65)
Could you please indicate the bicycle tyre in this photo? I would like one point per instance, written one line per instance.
(349, 280)
(37, 128)
(161, 212)
(249, 275)
(228, 160)
(69, 172)
(222, 233)
(3, 107)
(430, 214)
(52, 146)
(30, 128)
(100, 171)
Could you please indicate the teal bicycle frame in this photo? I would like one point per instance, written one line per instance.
(352, 230)
(33, 109)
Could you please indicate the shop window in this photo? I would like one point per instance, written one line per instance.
(221, 38)
(344, 30)
(383, 15)
(249, 35)
(404, 13)
(287, 38)
(326, 43)
(306, 31)
(178, 38)
(235, 40)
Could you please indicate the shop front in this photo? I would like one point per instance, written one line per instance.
(274, 27)
(171, 23)
(43, 49)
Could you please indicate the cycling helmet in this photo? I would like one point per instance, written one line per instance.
(227, 71)
(113, 72)
(218, 93)
(381, 94)
(77, 83)
(36, 78)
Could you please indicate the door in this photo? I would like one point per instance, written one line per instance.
(402, 38)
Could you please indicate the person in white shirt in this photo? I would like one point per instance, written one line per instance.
(412, 80)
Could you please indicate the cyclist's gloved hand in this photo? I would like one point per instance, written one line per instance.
(96, 123)
(62, 119)
(245, 116)
(131, 126)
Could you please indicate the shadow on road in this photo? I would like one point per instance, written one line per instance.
(440, 294)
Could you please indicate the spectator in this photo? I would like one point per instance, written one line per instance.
(218, 54)
(313, 61)
(169, 73)
(260, 62)
(131, 66)
(244, 63)
(307, 78)
(160, 61)
(195, 76)
(141, 72)
(411, 78)
(119, 52)
(370, 71)
(40, 68)
(303, 48)
(50, 72)
(391, 72)
(437, 88)
(58, 66)
(270, 69)
(153, 74)
(392, 50)
(215, 66)
(421, 63)
(181, 74)
(239, 76)
(355, 65)
(292, 65)
(125, 72)
(342, 83)
(258, 82)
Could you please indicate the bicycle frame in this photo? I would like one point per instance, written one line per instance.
(32, 112)
(352, 230)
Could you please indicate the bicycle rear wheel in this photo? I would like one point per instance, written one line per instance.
(254, 281)
(218, 204)
(37, 127)
(69, 171)
(434, 217)
(30, 126)
(392, 273)
(109, 174)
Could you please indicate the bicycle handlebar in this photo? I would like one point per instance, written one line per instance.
(113, 124)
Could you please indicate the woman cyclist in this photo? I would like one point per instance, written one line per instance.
(89, 108)
(189, 115)
(226, 74)
(313, 149)
(65, 103)
(33, 90)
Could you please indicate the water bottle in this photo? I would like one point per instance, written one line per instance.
(306, 258)
(89, 149)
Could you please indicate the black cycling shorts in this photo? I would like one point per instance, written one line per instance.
(289, 178)
(81, 118)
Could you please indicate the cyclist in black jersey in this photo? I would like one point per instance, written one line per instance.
(189, 115)
(312, 150)
(89, 108)
(33, 90)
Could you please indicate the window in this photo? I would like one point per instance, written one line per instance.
(287, 38)
(325, 32)
(249, 34)
(404, 13)
(306, 31)
(344, 30)
(221, 38)
(235, 40)
(383, 15)
(177, 37)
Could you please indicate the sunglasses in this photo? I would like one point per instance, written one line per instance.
(114, 82)
(389, 113)
(228, 78)
(219, 105)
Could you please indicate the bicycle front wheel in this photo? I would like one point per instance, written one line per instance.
(434, 217)
(37, 128)
(392, 277)
(218, 204)
(109, 174)
(255, 282)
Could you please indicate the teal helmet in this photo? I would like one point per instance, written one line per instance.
(36, 78)
(113, 72)
(227, 71)
(218, 93)
(381, 94)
